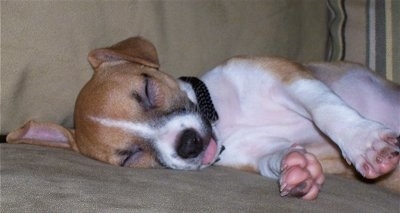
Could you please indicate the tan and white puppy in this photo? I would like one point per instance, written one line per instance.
(276, 117)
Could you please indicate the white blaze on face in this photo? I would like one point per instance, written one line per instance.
(143, 130)
(163, 136)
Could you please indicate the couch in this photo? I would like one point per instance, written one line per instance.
(44, 45)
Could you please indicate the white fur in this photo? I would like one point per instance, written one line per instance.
(187, 88)
(141, 129)
(163, 137)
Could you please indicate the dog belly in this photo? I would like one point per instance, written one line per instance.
(271, 123)
(261, 107)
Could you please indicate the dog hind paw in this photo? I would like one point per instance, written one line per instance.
(381, 157)
(301, 175)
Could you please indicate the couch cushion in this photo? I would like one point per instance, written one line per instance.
(41, 179)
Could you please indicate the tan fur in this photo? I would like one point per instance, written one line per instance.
(285, 70)
(110, 94)
(249, 168)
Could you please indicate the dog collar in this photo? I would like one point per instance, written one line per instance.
(203, 97)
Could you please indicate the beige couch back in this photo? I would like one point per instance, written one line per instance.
(44, 44)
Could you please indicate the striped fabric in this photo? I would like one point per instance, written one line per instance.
(336, 47)
(368, 32)
(383, 37)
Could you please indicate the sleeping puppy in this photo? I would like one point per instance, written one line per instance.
(262, 114)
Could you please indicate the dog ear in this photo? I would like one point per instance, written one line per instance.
(44, 134)
(136, 50)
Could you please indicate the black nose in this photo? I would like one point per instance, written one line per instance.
(190, 144)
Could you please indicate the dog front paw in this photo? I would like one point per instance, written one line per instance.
(301, 174)
(381, 155)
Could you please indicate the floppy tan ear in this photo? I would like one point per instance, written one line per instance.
(135, 49)
(44, 134)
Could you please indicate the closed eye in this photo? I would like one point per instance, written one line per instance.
(129, 156)
(146, 95)
(146, 88)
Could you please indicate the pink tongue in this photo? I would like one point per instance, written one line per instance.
(210, 153)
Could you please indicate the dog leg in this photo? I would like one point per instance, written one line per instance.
(370, 146)
(299, 172)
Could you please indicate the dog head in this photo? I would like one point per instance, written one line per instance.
(131, 114)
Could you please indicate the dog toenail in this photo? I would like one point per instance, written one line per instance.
(283, 186)
(284, 193)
